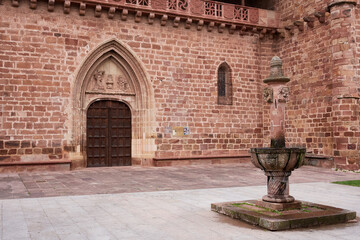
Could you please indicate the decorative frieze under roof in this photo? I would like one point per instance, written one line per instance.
(201, 12)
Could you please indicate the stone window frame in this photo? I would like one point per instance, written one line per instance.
(226, 97)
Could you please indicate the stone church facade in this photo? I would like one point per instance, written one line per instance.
(159, 82)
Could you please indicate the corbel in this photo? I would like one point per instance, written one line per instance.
(299, 25)
(51, 4)
(309, 21)
(281, 32)
(320, 16)
(111, 12)
(33, 4)
(272, 34)
(210, 26)
(243, 30)
(188, 23)
(254, 31)
(138, 15)
(232, 28)
(221, 27)
(124, 14)
(176, 22)
(151, 18)
(67, 4)
(262, 33)
(164, 19)
(200, 25)
(290, 29)
(15, 3)
(82, 9)
(98, 9)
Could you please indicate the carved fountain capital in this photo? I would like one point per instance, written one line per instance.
(276, 72)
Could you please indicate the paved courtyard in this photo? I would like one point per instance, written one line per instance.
(159, 203)
(140, 179)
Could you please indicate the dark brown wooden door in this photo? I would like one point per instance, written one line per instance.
(108, 134)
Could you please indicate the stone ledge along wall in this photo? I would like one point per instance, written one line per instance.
(41, 51)
(319, 57)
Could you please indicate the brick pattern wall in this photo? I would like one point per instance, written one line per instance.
(186, 94)
(41, 51)
(306, 61)
(346, 114)
(346, 122)
(322, 113)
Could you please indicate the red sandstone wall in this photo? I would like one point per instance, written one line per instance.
(319, 62)
(306, 57)
(41, 51)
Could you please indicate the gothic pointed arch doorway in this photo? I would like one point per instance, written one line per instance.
(111, 76)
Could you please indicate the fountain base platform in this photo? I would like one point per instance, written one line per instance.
(265, 215)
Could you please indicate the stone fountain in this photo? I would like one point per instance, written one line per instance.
(278, 210)
(277, 161)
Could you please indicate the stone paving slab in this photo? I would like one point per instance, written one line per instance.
(166, 215)
(144, 179)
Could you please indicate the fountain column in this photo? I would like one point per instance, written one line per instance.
(276, 94)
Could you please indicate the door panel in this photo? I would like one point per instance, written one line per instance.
(108, 134)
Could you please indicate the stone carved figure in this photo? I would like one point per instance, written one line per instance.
(109, 82)
(123, 84)
(284, 93)
(98, 76)
(268, 95)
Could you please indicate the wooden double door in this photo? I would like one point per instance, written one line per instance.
(108, 134)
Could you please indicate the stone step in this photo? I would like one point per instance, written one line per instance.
(319, 161)
(32, 166)
(199, 160)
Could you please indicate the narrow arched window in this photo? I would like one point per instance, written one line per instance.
(224, 85)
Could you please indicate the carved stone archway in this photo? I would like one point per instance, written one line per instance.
(113, 72)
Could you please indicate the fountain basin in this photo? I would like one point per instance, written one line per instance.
(278, 159)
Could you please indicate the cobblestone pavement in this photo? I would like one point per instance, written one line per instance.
(149, 179)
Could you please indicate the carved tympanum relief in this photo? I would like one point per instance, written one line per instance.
(109, 78)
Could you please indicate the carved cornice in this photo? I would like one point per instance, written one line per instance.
(191, 12)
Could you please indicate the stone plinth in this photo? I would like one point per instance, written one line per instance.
(309, 215)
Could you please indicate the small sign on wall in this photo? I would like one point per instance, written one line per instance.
(180, 131)
(186, 131)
